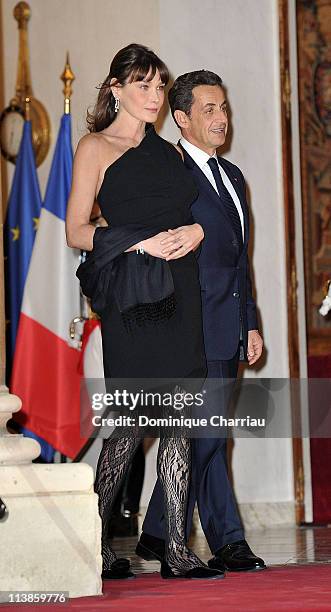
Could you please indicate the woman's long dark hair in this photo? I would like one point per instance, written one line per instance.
(133, 63)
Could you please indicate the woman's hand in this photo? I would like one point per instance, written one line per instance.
(153, 246)
(181, 241)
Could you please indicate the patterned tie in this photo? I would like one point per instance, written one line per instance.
(227, 200)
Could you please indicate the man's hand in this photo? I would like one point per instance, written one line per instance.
(255, 346)
(181, 241)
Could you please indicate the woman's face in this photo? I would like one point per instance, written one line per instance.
(141, 99)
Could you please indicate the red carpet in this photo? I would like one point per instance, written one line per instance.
(291, 589)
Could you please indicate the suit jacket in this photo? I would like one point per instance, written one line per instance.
(228, 307)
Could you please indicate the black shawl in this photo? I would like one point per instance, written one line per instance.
(142, 285)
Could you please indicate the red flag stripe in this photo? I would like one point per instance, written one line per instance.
(45, 375)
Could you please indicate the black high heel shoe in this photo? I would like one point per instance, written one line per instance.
(120, 569)
(196, 573)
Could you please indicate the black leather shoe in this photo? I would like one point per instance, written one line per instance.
(150, 548)
(217, 564)
(119, 570)
(196, 573)
(237, 557)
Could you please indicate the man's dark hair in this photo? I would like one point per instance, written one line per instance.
(181, 93)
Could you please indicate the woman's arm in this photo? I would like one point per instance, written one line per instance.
(79, 230)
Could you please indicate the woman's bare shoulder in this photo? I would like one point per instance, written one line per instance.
(94, 148)
(102, 144)
(88, 143)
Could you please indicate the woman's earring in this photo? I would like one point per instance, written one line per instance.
(117, 105)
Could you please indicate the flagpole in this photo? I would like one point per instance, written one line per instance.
(67, 77)
(27, 109)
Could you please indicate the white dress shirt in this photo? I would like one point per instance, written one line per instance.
(201, 159)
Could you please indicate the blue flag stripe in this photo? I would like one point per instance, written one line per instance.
(59, 182)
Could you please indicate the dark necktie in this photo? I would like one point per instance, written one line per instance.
(226, 200)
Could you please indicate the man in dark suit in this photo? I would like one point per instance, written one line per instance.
(198, 105)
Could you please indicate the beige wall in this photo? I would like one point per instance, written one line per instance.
(92, 31)
(239, 40)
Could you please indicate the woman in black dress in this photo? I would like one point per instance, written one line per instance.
(139, 180)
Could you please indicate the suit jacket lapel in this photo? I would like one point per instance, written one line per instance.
(206, 186)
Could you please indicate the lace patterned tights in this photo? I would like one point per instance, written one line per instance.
(173, 466)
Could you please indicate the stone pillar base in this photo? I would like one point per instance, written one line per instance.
(51, 540)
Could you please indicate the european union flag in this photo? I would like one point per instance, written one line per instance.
(19, 233)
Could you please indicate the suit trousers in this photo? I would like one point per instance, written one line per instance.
(210, 486)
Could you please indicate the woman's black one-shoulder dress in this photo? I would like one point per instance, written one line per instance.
(149, 185)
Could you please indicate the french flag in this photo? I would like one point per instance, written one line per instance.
(46, 369)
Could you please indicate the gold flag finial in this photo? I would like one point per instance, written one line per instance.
(22, 14)
(67, 77)
(27, 109)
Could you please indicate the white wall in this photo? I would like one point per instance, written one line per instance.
(239, 40)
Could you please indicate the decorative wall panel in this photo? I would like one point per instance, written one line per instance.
(314, 55)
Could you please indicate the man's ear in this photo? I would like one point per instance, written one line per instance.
(182, 119)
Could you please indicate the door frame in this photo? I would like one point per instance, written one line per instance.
(291, 264)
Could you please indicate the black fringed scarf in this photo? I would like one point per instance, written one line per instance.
(142, 285)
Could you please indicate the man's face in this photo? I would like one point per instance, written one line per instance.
(207, 125)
